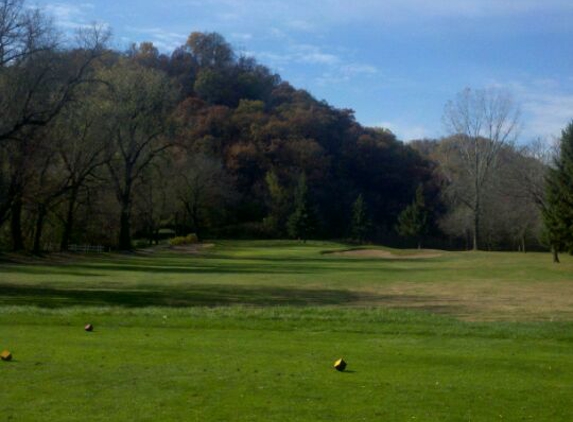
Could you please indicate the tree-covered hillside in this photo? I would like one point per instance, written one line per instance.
(103, 147)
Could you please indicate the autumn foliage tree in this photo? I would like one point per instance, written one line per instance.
(197, 139)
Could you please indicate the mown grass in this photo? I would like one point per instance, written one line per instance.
(248, 331)
(246, 364)
(471, 285)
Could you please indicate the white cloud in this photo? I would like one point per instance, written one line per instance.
(164, 40)
(359, 68)
(319, 58)
(345, 73)
(546, 104)
(277, 33)
(308, 16)
(241, 36)
(405, 131)
(300, 53)
(458, 8)
(550, 113)
(302, 25)
(334, 68)
(70, 15)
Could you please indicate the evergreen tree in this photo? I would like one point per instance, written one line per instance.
(413, 219)
(558, 213)
(301, 223)
(278, 207)
(360, 223)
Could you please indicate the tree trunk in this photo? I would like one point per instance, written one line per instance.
(69, 223)
(16, 224)
(125, 229)
(5, 205)
(476, 227)
(125, 215)
(555, 254)
(39, 227)
(196, 223)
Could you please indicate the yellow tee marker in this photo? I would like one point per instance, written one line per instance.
(340, 365)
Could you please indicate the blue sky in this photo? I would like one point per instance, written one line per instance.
(395, 62)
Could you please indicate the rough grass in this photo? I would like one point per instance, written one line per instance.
(467, 285)
(248, 331)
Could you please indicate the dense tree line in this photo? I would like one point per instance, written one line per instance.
(511, 197)
(101, 146)
(104, 147)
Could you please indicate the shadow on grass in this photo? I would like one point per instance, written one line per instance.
(196, 295)
(210, 295)
(103, 268)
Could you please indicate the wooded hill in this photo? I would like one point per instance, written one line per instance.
(103, 147)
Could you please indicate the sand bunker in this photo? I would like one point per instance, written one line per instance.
(378, 253)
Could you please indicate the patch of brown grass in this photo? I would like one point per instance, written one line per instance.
(483, 301)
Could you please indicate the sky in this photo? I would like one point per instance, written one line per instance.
(394, 62)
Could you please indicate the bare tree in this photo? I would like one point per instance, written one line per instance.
(23, 32)
(137, 103)
(37, 76)
(483, 121)
(530, 173)
(81, 149)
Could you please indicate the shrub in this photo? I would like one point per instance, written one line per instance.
(190, 239)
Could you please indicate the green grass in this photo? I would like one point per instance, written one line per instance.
(248, 331)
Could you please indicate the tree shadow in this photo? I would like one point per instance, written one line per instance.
(104, 268)
(212, 295)
(194, 295)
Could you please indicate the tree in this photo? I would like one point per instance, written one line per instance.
(203, 188)
(520, 198)
(558, 214)
(360, 222)
(483, 121)
(412, 221)
(153, 204)
(278, 203)
(210, 50)
(24, 32)
(137, 104)
(301, 223)
(37, 79)
(82, 149)
(212, 85)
